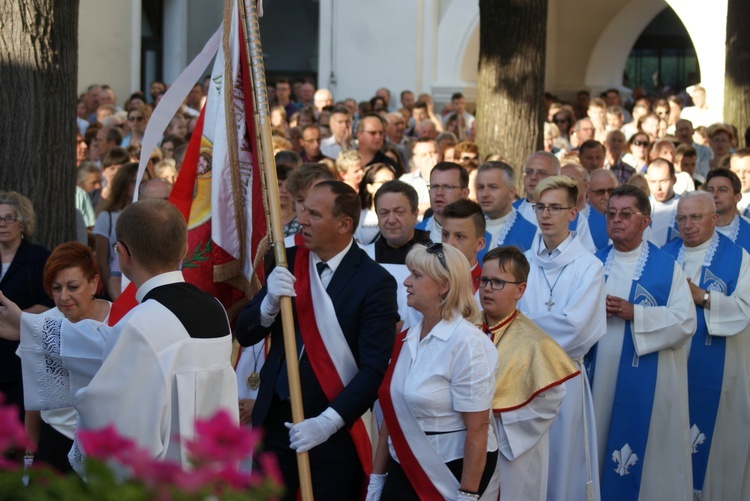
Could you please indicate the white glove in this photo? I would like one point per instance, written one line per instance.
(280, 283)
(375, 487)
(314, 431)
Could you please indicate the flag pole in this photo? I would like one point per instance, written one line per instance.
(249, 16)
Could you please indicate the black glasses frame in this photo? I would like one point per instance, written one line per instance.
(437, 249)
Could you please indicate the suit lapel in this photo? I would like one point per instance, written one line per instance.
(344, 272)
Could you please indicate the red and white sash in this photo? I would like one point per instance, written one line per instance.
(424, 468)
(330, 357)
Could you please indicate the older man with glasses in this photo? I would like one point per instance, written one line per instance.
(717, 370)
(638, 369)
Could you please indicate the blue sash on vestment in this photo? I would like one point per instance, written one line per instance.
(706, 359)
(743, 235)
(518, 203)
(598, 228)
(636, 380)
(521, 234)
(425, 224)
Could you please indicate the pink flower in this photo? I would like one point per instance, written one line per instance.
(221, 439)
(12, 433)
(269, 468)
(106, 443)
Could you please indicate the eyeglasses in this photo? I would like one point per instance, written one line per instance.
(694, 218)
(135, 119)
(641, 143)
(538, 172)
(437, 249)
(443, 187)
(9, 219)
(553, 209)
(116, 249)
(496, 284)
(601, 192)
(625, 215)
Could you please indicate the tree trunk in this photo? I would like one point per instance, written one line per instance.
(510, 86)
(737, 81)
(39, 68)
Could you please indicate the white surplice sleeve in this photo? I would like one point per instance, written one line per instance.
(579, 325)
(46, 381)
(659, 327)
(521, 429)
(730, 315)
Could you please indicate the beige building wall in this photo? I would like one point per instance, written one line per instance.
(109, 45)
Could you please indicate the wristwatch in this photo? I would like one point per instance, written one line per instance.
(706, 297)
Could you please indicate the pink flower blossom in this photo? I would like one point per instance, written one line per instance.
(269, 468)
(106, 443)
(12, 434)
(221, 439)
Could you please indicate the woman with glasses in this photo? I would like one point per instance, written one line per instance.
(638, 157)
(138, 117)
(437, 440)
(563, 119)
(21, 280)
(121, 195)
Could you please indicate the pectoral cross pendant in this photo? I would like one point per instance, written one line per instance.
(550, 303)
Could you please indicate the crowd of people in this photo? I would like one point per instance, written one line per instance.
(584, 338)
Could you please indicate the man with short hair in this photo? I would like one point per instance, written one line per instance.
(395, 135)
(591, 155)
(530, 383)
(424, 156)
(370, 138)
(700, 113)
(165, 364)
(407, 100)
(684, 132)
(298, 184)
(449, 182)
(418, 115)
(615, 147)
(739, 163)
(106, 138)
(427, 130)
(539, 166)
(458, 101)
(583, 131)
(602, 183)
(340, 298)
(496, 190)
(660, 176)
(341, 132)
(464, 228)
(321, 99)
(385, 94)
(310, 143)
(284, 96)
(726, 189)
(396, 204)
(305, 95)
(638, 369)
(718, 274)
(565, 298)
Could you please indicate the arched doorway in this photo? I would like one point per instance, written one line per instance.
(663, 58)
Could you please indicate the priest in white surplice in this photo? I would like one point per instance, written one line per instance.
(718, 377)
(164, 364)
(565, 298)
(639, 368)
(531, 375)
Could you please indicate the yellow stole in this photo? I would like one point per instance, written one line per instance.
(529, 362)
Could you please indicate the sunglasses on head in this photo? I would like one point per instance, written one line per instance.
(437, 249)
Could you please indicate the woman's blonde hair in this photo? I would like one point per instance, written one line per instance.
(456, 275)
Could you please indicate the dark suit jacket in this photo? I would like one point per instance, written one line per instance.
(364, 296)
(24, 285)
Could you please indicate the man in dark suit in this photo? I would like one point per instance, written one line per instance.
(362, 297)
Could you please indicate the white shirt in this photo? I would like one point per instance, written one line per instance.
(662, 218)
(416, 181)
(452, 371)
(332, 263)
(495, 226)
